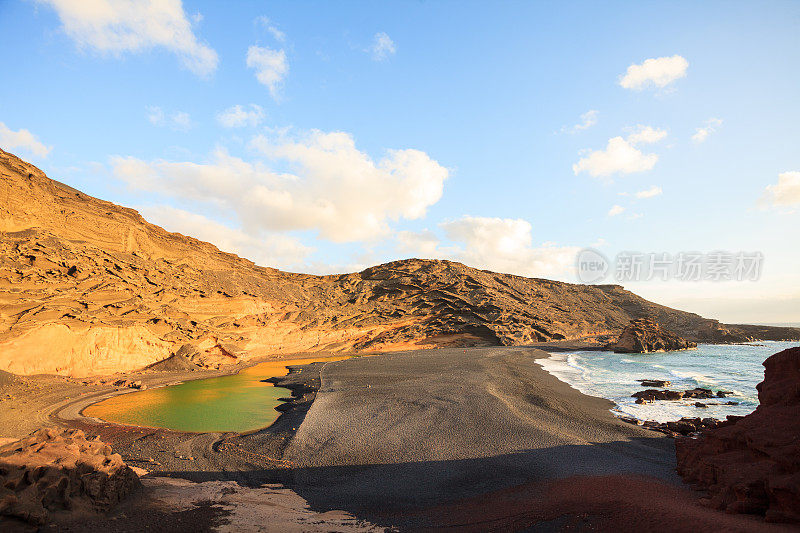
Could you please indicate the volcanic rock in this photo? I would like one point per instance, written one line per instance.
(751, 464)
(55, 471)
(644, 335)
(650, 395)
(114, 293)
(684, 426)
(698, 393)
(654, 383)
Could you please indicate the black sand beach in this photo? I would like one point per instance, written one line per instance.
(445, 438)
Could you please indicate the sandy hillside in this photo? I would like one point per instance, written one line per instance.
(89, 287)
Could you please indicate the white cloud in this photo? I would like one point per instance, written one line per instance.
(702, 133)
(621, 155)
(646, 135)
(118, 26)
(588, 120)
(658, 72)
(270, 65)
(506, 245)
(181, 121)
(178, 121)
(649, 193)
(239, 116)
(382, 47)
(22, 139)
(785, 193)
(332, 187)
(266, 249)
(616, 210)
(277, 34)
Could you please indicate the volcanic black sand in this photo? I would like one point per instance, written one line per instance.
(410, 430)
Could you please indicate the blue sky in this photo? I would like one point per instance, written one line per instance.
(506, 135)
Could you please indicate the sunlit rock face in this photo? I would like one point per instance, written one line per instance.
(644, 335)
(752, 464)
(89, 287)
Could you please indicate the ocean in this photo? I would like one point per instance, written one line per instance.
(729, 367)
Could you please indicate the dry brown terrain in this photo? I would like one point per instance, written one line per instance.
(89, 288)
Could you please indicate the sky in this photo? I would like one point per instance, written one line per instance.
(326, 137)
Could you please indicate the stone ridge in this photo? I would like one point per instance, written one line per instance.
(88, 287)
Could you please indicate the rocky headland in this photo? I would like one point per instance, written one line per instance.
(645, 335)
(115, 293)
(751, 464)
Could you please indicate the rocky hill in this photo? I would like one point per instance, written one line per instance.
(89, 287)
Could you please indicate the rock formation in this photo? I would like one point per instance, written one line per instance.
(55, 471)
(89, 288)
(645, 335)
(751, 464)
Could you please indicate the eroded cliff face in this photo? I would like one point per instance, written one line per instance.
(752, 465)
(88, 287)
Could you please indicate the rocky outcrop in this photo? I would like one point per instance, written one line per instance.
(645, 335)
(88, 287)
(56, 471)
(751, 464)
(684, 427)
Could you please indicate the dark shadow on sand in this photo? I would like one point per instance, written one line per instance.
(391, 492)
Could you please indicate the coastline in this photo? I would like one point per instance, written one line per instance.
(510, 428)
(733, 369)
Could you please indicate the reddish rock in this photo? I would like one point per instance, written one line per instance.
(751, 464)
(58, 471)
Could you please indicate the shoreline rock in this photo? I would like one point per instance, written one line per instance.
(751, 464)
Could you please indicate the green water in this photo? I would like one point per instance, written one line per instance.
(237, 403)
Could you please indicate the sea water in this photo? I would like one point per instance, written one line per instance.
(727, 367)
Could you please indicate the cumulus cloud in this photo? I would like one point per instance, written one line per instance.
(22, 139)
(178, 121)
(266, 249)
(702, 133)
(649, 193)
(239, 116)
(657, 72)
(785, 193)
(621, 155)
(270, 65)
(498, 244)
(382, 47)
(277, 34)
(506, 245)
(588, 120)
(646, 135)
(117, 26)
(616, 210)
(319, 182)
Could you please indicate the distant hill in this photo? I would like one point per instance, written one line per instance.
(90, 287)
